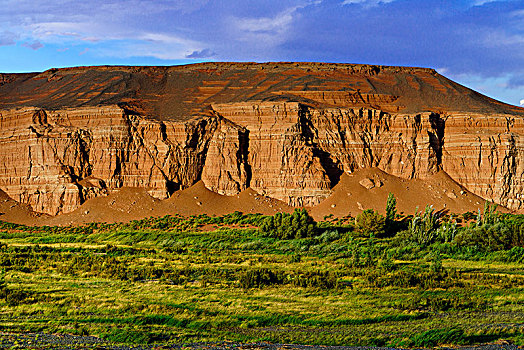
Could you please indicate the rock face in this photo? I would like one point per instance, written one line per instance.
(288, 131)
(55, 160)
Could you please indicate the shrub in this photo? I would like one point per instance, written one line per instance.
(432, 277)
(391, 208)
(469, 215)
(370, 223)
(515, 254)
(259, 278)
(386, 264)
(447, 231)
(329, 236)
(315, 279)
(14, 297)
(288, 226)
(488, 237)
(422, 229)
(446, 301)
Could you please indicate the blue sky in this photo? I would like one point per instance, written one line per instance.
(478, 43)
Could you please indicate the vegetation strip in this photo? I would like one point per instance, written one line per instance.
(424, 280)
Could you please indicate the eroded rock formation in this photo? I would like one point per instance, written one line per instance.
(288, 131)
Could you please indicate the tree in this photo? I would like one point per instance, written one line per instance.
(391, 214)
(370, 223)
(391, 208)
(490, 216)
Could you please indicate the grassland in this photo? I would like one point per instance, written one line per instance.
(211, 279)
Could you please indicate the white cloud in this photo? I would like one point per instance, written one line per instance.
(44, 30)
(499, 38)
(157, 45)
(116, 42)
(275, 25)
(518, 13)
(98, 23)
(264, 31)
(522, 102)
(481, 2)
(164, 29)
(166, 39)
(366, 2)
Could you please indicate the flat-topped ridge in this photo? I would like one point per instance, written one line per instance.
(274, 66)
(182, 92)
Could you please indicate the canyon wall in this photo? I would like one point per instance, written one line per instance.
(287, 130)
(56, 160)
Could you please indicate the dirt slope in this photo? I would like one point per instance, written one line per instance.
(363, 189)
(12, 211)
(369, 189)
(129, 204)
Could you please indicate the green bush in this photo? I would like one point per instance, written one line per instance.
(370, 223)
(408, 278)
(491, 216)
(259, 278)
(515, 254)
(488, 237)
(447, 231)
(392, 225)
(422, 229)
(386, 264)
(289, 226)
(391, 208)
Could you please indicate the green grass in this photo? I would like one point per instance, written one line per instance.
(165, 280)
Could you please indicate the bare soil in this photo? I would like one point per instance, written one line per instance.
(363, 189)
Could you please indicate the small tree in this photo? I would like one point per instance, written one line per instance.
(391, 208)
(490, 216)
(391, 213)
(303, 224)
(370, 223)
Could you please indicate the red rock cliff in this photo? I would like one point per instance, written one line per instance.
(287, 130)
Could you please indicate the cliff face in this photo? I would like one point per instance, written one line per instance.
(288, 131)
(55, 160)
(484, 153)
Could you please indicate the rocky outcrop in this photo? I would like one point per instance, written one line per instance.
(288, 131)
(282, 161)
(226, 170)
(55, 160)
(484, 153)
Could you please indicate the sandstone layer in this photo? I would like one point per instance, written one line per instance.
(289, 131)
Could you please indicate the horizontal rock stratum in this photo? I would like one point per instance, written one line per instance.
(286, 130)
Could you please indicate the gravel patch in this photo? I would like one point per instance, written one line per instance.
(67, 342)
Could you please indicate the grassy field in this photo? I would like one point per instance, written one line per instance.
(202, 279)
